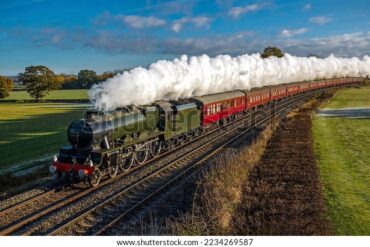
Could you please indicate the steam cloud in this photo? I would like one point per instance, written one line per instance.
(199, 75)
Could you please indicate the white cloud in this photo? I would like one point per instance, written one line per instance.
(237, 11)
(320, 20)
(132, 21)
(200, 21)
(139, 22)
(307, 6)
(345, 45)
(288, 33)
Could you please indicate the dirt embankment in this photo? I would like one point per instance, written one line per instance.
(283, 194)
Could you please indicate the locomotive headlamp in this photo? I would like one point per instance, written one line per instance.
(55, 158)
(52, 169)
(91, 163)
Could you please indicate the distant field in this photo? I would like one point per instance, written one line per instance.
(53, 95)
(29, 131)
(342, 148)
(351, 97)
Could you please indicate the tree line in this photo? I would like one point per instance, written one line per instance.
(40, 80)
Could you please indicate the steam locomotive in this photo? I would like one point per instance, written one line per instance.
(105, 143)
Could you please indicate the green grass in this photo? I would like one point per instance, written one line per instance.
(53, 95)
(342, 148)
(351, 97)
(30, 131)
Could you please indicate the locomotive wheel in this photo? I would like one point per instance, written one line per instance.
(112, 169)
(141, 155)
(95, 178)
(191, 136)
(183, 139)
(126, 162)
(155, 148)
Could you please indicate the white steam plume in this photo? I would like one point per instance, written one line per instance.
(199, 75)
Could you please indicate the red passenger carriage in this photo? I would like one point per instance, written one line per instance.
(277, 92)
(304, 87)
(216, 108)
(257, 97)
(314, 85)
(322, 83)
(292, 88)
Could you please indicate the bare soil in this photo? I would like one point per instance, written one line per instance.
(283, 194)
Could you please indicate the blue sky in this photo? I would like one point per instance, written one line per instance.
(104, 35)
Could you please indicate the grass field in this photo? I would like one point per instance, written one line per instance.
(351, 97)
(53, 95)
(30, 131)
(342, 148)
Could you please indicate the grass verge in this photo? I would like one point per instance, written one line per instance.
(350, 98)
(342, 151)
(219, 193)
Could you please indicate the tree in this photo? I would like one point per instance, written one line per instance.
(10, 85)
(3, 93)
(6, 86)
(272, 51)
(87, 77)
(105, 76)
(39, 81)
(59, 80)
(6, 83)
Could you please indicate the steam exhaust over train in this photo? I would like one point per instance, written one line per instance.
(108, 142)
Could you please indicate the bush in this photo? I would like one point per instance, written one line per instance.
(3, 93)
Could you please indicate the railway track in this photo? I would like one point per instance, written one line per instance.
(98, 220)
(22, 215)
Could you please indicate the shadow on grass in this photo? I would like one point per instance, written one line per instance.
(23, 140)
